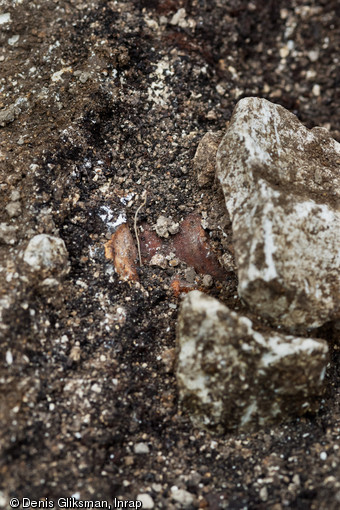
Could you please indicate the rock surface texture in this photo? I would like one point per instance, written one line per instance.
(48, 254)
(204, 160)
(231, 376)
(281, 183)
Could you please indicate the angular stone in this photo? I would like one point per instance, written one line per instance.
(281, 183)
(9, 114)
(166, 226)
(183, 497)
(204, 159)
(231, 376)
(48, 254)
(145, 500)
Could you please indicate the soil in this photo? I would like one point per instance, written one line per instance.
(101, 101)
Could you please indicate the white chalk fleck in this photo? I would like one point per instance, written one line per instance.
(107, 216)
(5, 18)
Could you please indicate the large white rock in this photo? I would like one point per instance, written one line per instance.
(231, 376)
(281, 183)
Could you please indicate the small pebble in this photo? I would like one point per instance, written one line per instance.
(141, 448)
(211, 115)
(46, 252)
(96, 388)
(179, 18)
(207, 280)
(169, 358)
(8, 233)
(5, 18)
(13, 209)
(313, 55)
(162, 226)
(146, 500)
(316, 90)
(9, 358)
(165, 226)
(173, 262)
(264, 494)
(190, 275)
(284, 52)
(173, 228)
(15, 195)
(8, 114)
(84, 77)
(159, 260)
(182, 496)
(75, 353)
(156, 487)
(220, 89)
(50, 282)
(13, 40)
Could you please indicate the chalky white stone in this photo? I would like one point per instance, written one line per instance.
(233, 376)
(47, 253)
(145, 500)
(181, 496)
(281, 183)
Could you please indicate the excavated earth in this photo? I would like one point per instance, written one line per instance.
(101, 101)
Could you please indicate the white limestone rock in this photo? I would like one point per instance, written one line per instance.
(181, 496)
(47, 254)
(233, 377)
(281, 183)
(145, 500)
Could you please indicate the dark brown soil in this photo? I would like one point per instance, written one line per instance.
(110, 99)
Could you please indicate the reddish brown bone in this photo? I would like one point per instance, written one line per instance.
(121, 249)
(150, 244)
(192, 246)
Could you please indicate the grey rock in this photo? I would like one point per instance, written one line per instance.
(48, 254)
(5, 17)
(166, 226)
(50, 282)
(190, 274)
(84, 76)
(13, 40)
(207, 281)
(15, 195)
(185, 498)
(13, 209)
(159, 260)
(9, 114)
(281, 183)
(141, 448)
(146, 500)
(232, 376)
(204, 159)
(8, 233)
